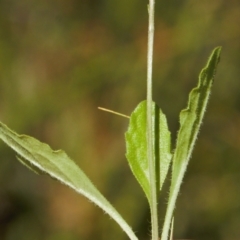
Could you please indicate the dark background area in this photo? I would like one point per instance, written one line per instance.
(60, 60)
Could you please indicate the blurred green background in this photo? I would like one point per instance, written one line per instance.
(60, 60)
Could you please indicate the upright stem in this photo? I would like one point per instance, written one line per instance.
(150, 137)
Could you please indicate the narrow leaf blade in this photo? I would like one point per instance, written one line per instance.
(58, 165)
(191, 117)
(29, 165)
(190, 121)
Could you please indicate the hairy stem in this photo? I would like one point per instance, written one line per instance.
(150, 150)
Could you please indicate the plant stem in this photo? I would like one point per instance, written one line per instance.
(150, 139)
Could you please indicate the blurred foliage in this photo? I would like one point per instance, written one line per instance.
(60, 60)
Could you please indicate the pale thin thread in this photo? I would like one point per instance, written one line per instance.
(113, 112)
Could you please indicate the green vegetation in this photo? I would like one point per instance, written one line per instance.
(37, 112)
(38, 156)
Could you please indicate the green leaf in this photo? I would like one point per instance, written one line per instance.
(58, 165)
(165, 148)
(190, 121)
(29, 165)
(136, 145)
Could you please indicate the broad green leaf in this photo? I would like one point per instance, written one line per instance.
(136, 144)
(39, 156)
(190, 121)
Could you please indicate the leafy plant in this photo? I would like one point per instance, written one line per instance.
(148, 142)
